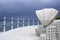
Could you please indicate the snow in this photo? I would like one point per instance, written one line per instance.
(46, 15)
(43, 35)
(22, 33)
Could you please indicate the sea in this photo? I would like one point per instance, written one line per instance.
(8, 24)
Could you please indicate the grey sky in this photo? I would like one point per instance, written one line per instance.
(25, 7)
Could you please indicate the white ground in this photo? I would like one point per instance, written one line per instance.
(23, 33)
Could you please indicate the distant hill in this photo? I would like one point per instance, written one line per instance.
(58, 17)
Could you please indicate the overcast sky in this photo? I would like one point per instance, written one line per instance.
(14, 8)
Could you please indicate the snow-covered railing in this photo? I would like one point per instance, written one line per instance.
(4, 24)
(18, 23)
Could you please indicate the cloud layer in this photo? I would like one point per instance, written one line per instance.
(25, 7)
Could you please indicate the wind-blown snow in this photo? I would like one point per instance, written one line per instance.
(23, 33)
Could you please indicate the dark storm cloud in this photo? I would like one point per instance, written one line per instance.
(25, 7)
(16, 4)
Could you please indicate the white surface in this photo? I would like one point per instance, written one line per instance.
(55, 22)
(47, 15)
(51, 26)
(43, 35)
(51, 32)
(23, 33)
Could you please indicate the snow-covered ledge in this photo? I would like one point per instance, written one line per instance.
(23, 33)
